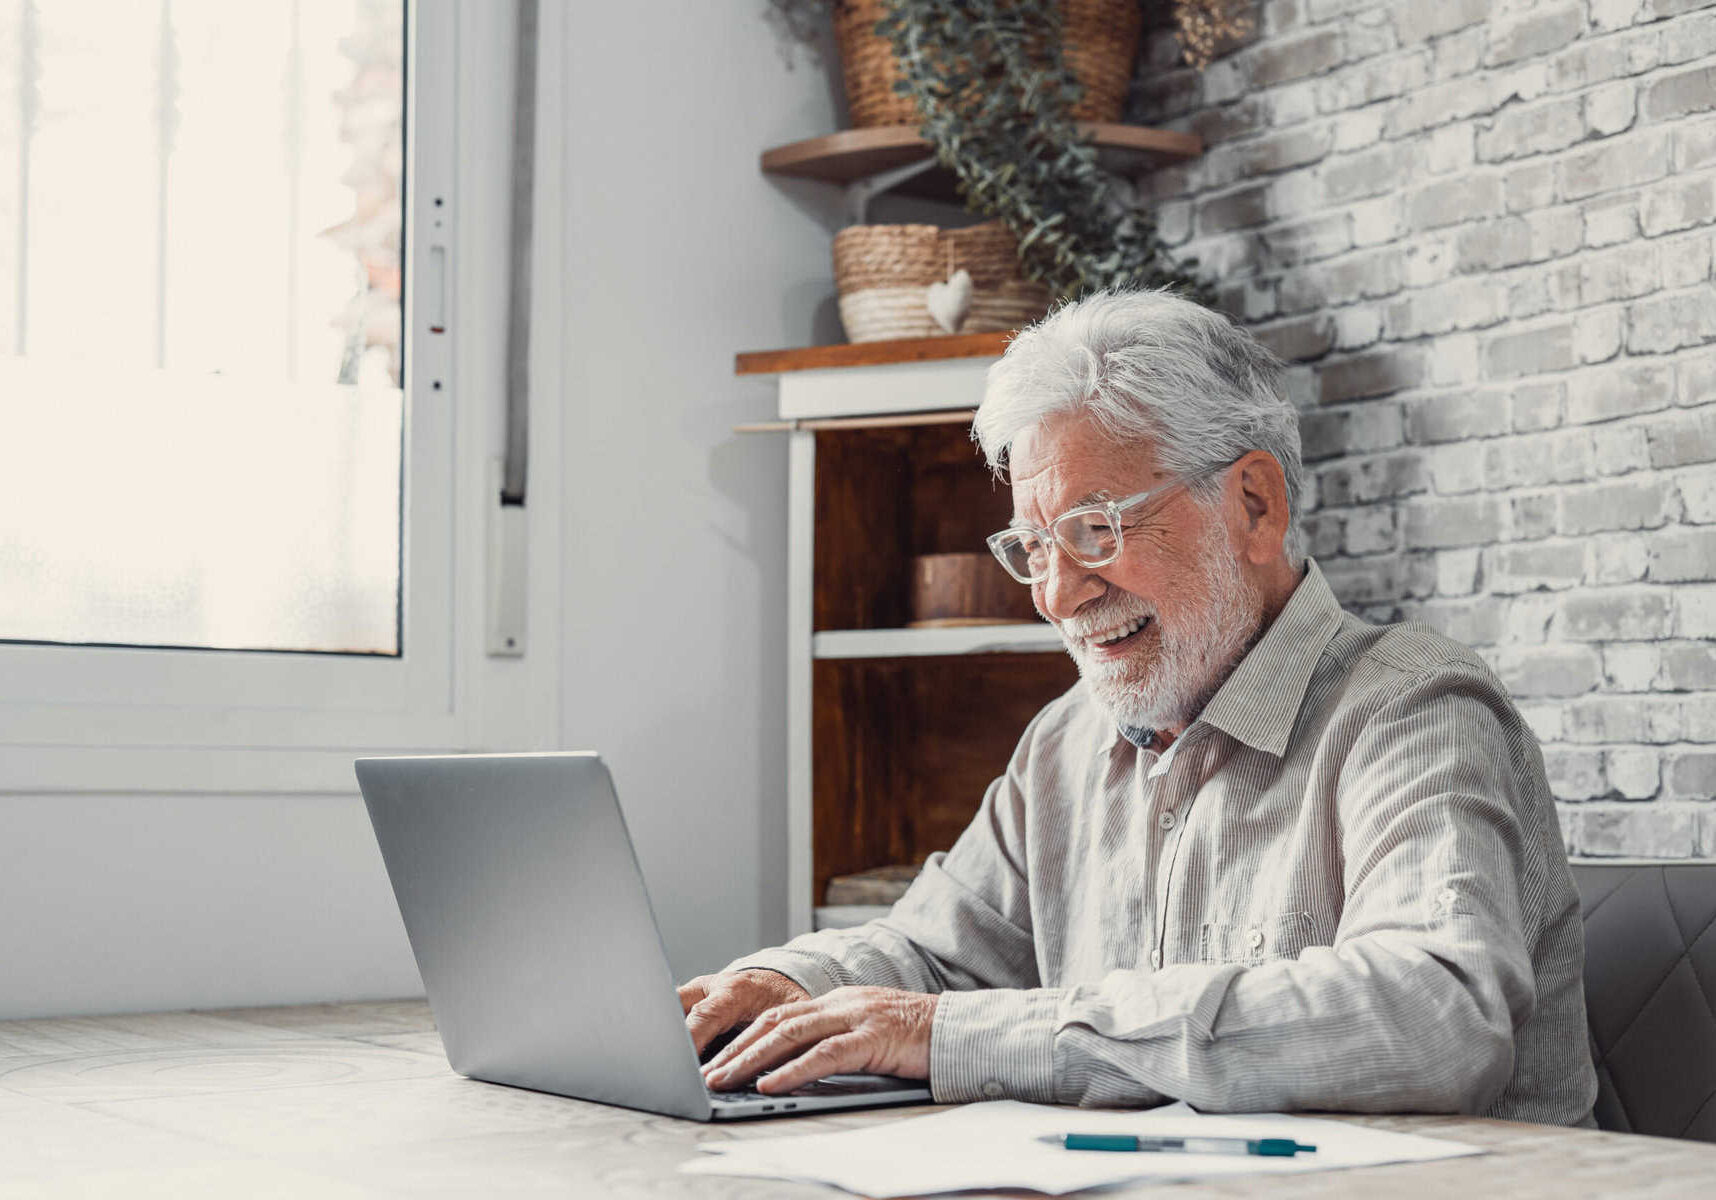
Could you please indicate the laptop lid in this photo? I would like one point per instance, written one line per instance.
(527, 913)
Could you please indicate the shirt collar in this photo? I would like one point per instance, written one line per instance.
(1259, 702)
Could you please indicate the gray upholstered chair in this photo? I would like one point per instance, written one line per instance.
(1650, 995)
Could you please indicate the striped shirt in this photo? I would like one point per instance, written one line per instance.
(1342, 888)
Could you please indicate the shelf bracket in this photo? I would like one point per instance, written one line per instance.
(860, 192)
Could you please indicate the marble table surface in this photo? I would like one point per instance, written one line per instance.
(349, 1100)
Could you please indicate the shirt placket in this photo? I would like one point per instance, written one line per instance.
(1174, 793)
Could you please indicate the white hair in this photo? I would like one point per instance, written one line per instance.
(1150, 366)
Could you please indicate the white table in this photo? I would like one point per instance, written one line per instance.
(347, 1100)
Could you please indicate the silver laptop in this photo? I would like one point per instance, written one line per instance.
(526, 910)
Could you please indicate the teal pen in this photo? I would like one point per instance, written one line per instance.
(1267, 1147)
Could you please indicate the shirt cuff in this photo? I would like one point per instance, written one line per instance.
(994, 1043)
(801, 968)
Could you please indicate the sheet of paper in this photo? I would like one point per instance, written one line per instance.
(998, 1145)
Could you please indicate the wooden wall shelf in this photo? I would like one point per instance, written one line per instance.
(1039, 638)
(855, 154)
(872, 354)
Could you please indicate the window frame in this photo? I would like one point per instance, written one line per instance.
(135, 719)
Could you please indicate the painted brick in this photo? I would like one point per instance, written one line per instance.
(1455, 416)
(1294, 58)
(1530, 352)
(1377, 373)
(1617, 614)
(1608, 166)
(1611, 219)
(1299, 339)
(1544, 720)
(1609, 109)
(1624, 390)
(1428, 260)
(1372, 530)
(1696, 616)
(1458, 572)
(1538, 405)
(1695, 378)
(1376, 221)
(1456, 468)
(1538, 129)
(1619, 449)
(1421, 22)
(1241, 208)
(1698, 717)
(1452, 201)
(1681, 438)
(1532, 516)
(1357, 326)
(1678, 94)
(1323, 534)
(1631, 666)
(1529, 186)
(1698, 495)
(1678, 204)
(1538, 32)
(1683, 556)
(1615, 558)
(1510, 241)
(1615, 14)
(1695, 144)
(1366, 83)
(1367, 480)
(1685, 260)
(1691, 775)
(1559, 457)
(1622, 273)
(1597, 334)
(1638, 831)
(1653, 720)
(1549, 670)
(1457, 304)
(1689, 666)
(1540, 566)
(1663, 323)
(1360, 581)
(1620, 504)
(1474, 622)
(1529, 618)
(1594, 60)
(1363, 276)
(1463, 521)
(1457, 54)
(1574, 774)
(1454, 362)
(1427, 107)
(1633, 774)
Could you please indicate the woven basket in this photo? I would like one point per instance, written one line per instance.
(884, 273)
(1099, 41)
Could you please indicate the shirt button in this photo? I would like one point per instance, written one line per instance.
(1156, 960)
(1446, 896)
(1166, 820)
(993, 1090)
(1254, 938)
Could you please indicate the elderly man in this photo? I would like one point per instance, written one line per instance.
(1263, 856)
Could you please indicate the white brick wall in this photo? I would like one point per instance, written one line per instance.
(1482, 232)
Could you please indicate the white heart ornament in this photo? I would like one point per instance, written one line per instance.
(949, 301)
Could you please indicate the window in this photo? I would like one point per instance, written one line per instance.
(232, 505)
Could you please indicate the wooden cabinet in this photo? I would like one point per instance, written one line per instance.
(894, 732)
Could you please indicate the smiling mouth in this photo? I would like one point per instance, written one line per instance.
(1118, 640)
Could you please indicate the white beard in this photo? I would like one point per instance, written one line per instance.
(1191, 660)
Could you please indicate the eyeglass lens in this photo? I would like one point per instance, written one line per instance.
(1087, 536)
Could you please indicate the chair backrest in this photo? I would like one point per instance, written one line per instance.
(1650, 995)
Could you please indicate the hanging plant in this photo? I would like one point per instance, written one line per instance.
(996, 99)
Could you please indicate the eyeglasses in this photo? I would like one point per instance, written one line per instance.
(1090, 534)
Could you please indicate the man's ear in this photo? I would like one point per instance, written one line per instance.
(1262, 493)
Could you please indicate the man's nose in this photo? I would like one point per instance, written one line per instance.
(1068, 586)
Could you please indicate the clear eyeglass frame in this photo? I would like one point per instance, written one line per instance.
(1091, 535)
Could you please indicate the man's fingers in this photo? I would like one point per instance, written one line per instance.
(832, 1056)
(690, 993)
(748, 1036)
(712, 1016)
(777, 1043)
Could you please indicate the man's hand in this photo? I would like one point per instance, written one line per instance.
(714, 1004)
(849, 1029)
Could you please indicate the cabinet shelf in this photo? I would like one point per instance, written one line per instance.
(1037, 638)
(854, 154)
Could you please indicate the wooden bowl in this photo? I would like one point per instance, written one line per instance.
(966, 589)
